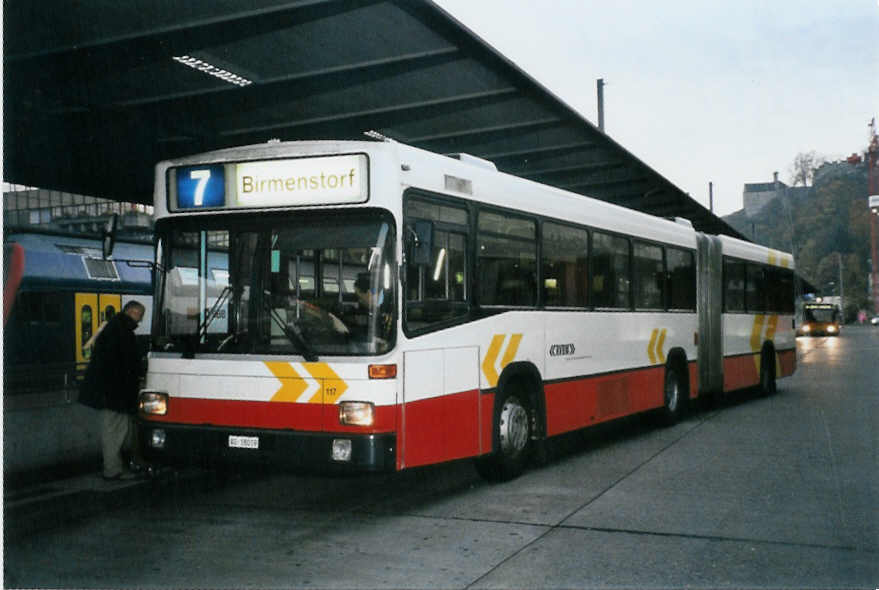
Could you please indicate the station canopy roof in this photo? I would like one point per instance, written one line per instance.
(96, 92)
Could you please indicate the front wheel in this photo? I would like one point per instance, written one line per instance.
(512, 440)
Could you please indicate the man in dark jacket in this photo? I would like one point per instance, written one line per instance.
(111, 385)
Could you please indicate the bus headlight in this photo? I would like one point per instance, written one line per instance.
(153, 402)
(807, 328)
(356, 413)
(831, 329)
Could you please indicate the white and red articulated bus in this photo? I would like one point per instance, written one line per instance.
(373, 306)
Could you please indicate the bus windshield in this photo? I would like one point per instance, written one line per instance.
(824, 314)
(299, 284)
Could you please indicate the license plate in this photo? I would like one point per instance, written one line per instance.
(243, 442)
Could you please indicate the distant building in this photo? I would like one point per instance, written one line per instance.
(757, 195)
(46, 209)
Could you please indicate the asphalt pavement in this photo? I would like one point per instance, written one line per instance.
(755, 492)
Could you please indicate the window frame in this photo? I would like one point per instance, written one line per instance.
(535, 241)
(637, 277)
(469, 271)
(541, 275)
(592, 250)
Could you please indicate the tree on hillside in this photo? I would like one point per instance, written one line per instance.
(802, 171)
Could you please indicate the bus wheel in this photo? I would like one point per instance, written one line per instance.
(512, 435)
(767, 374)
(673, 397)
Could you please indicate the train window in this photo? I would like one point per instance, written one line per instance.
(611, 272)
(85, 319)
(507, 253)
(681, 283)
(565, 266)
(649, 277)
(52, 308)
(109, 312)
(31, 307)
(733, 286)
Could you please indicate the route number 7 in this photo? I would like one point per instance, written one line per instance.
(202, 176)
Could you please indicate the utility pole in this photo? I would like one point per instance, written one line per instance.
(711, 196)
(873, 210)
(600, 87)
(841, 288)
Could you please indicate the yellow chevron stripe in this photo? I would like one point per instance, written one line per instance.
(512, 349)
(292, 385)
(491, 354)
(771, 327)
(331, 385)
(650, 354)
(659, 344)
(756, 342)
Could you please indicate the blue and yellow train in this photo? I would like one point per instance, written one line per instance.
(57, 292)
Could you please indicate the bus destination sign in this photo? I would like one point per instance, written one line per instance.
(303, 181)
(328, 180)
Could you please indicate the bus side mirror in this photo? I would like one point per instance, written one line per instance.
(422, 244)
(108, 236)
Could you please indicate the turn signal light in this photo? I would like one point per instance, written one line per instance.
(382, 371)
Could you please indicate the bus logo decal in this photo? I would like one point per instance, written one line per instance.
(562, 350)
(654, 348)
(321, 385)
(494, 349)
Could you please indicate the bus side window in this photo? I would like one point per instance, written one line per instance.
(507, 259)
(755, 289)
(437, 288)
(565, 280)
(733, 285)
(681, 282)
(611, 273)
(649, 277)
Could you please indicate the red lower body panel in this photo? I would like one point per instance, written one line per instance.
(269, 415)
(460, 425)
(442, 428)
(744, 370)
(571, 405)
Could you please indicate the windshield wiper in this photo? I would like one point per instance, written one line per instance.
(212, 313)
(292, 331)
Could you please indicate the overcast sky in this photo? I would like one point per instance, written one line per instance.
(727, 91)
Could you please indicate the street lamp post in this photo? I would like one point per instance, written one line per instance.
(873, 203)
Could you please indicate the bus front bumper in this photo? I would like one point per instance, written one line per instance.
(179, 444)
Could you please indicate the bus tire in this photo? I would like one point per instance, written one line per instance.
(511, 433)
(673, 397)
(767, 372)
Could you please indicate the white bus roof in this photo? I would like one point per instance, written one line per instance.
(406, 166)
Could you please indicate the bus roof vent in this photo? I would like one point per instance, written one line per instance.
(474, 161)
(682, 221)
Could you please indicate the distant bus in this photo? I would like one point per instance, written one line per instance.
(373, 306)
(819, 319)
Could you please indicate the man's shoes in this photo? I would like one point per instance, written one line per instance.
(123, 476)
